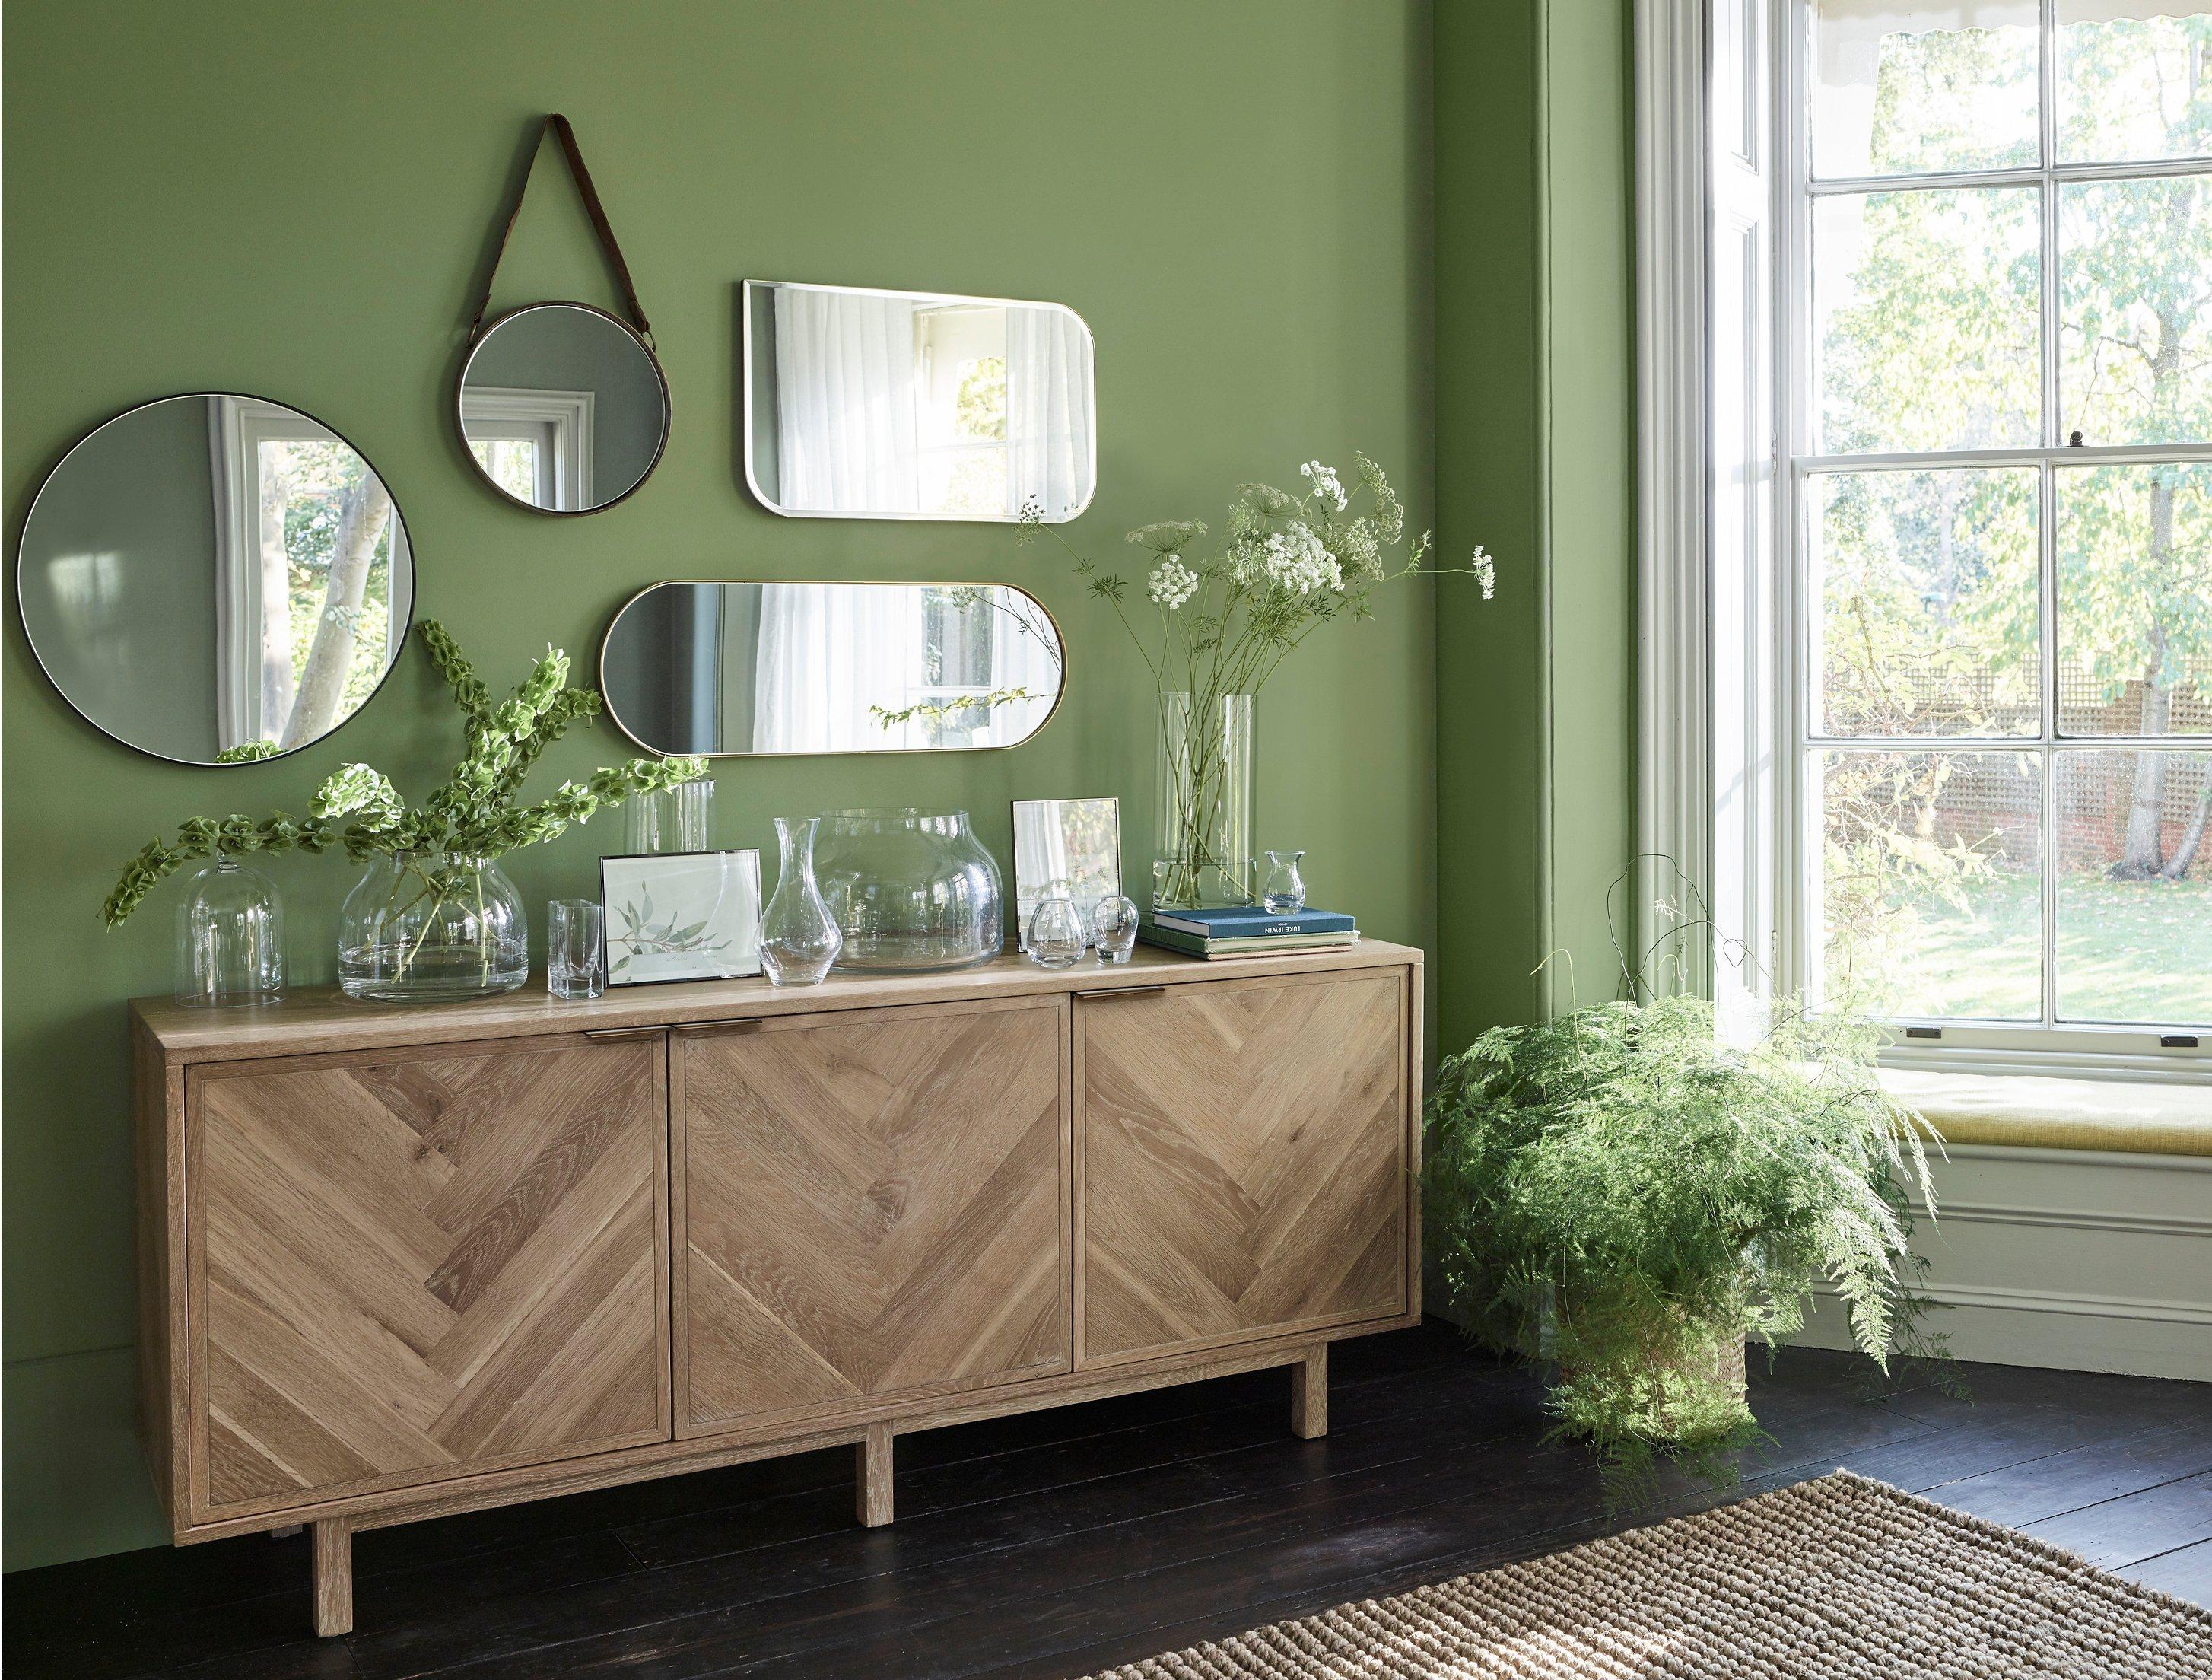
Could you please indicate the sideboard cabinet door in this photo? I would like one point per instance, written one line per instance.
(1245, 1153)
(874, 1204)
(413, 1264)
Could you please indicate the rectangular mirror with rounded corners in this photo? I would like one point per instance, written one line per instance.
(740, 668)
(881, 405)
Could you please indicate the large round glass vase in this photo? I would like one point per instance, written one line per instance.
(421, 926)
(912, 892)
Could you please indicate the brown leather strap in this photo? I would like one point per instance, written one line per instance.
(559, 124)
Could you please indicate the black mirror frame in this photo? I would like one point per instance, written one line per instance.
(660, 373)
(23, 621)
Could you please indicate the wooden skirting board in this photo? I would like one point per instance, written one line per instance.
(398, 1262)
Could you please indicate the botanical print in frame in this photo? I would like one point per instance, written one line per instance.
(681, 916)
(1076, 840)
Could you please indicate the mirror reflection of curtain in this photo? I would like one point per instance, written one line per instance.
(1025, 653)
(1048, 410)
(828, 654)
(845, 402)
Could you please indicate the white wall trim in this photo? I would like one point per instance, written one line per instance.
(2081, 1259)
(492, 411)
(1675, 792)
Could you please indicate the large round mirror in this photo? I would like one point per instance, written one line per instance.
(215, 578)
(564, 408)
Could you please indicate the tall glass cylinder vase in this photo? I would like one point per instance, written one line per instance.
(1203, 858)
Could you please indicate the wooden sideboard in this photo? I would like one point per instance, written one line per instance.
(401, 1261)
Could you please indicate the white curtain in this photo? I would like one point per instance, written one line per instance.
(845, 402)
(1048, 410)
(829, 653)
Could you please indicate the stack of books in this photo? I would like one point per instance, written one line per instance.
(1248, 932)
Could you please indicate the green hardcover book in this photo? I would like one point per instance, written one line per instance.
(1190, 945)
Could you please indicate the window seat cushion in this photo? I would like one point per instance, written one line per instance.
(2131, 1117)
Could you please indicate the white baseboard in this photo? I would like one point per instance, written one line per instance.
(2079, 1260)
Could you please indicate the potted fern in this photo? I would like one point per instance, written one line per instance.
(1622, 1194)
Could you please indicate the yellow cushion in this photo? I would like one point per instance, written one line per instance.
(2132, 1117)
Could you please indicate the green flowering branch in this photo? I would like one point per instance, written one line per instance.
(473, 813)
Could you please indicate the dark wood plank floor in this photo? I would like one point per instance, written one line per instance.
(1058, 1542)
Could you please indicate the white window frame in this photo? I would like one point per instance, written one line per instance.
(558, 422)
(1731, 537)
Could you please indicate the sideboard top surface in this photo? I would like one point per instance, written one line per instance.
(318, 1018)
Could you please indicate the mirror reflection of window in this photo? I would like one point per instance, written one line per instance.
(910, 405)
(305, 619)
(960, 393)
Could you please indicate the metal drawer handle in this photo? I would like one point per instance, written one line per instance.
(607, 1034)
(702, 1029)
(1104, 992)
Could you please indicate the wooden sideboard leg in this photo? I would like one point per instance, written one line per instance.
(333, 1577)
(871, 1476)
(1310, 1395)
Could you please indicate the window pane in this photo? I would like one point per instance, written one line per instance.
(2135, 600)
(510, 463)
(2136, 335)
(2135, 886)
(1925, 319)
(1930, 897)
(1928, 622)
(2131, 80)
(1907, 89)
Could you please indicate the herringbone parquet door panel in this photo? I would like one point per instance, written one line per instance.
(871, 1204)
(1245, 1155)
(414, 1264)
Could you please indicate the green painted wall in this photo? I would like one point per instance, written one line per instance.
(296, 201)
(1534, 459)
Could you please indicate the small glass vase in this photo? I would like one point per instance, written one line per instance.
(230, 937)
(1057, 937)
(1114, 929)
(1285, 893)
(1203, 858)
(431, 925)
(798, 938)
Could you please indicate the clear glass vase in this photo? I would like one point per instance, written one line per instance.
(671, 820)
(913, 891)
(1203, 858)
(798, 939)
(423, 925)
(1057, 937)
(230, 937)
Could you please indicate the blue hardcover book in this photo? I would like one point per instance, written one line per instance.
(1250, 921)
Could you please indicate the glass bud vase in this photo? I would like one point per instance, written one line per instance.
(230, 937)
(425, 925)
(1203, 857)
(1057, 937)
(798, 938)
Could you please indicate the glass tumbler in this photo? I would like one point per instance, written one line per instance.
(1285, 891)
(1057, 936)
(1114, 927)
(574, 944)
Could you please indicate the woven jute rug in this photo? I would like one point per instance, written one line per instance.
(1841, 1578)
